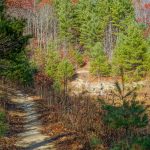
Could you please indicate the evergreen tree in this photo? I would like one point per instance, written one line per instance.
(12, 40)
(87, 21)
(127, 115)
(99, 63)
(65, 71)
(119, 12)
(64, 12)
(90, 21)
(13, 58)
(59, 70)
(132, 53)
(53, 60)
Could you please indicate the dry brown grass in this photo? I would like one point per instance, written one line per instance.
(8, 143)
(78, 115)
(81, 114)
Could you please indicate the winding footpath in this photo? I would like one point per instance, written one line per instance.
(31, 138)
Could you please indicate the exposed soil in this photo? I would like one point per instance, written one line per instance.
(85, 82)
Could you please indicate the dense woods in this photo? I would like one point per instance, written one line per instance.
(43, 46)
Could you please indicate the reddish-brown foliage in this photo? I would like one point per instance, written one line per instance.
(142, 11)
(143, 20)
(43, 2)
(74, 1)
(43, 80)
(147, 32)
(25, 4)
(147, 5)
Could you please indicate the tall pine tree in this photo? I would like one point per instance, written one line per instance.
(132, 52)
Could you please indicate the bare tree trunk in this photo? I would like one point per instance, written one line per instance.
(110, 40)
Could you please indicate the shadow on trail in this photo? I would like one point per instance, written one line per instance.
(48, 141)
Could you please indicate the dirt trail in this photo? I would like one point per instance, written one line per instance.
(31, 138)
